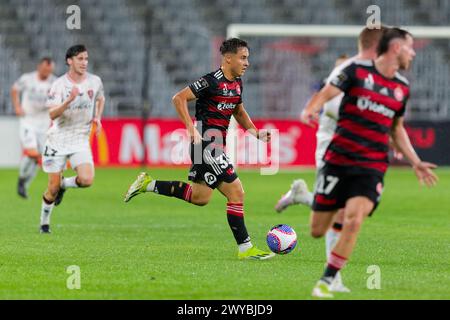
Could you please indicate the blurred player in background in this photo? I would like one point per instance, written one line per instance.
(372, 110)
(75, 102)
(29, 94)
(298, 194)
(219, 96)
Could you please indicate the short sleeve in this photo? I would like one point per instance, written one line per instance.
(20, 83)
(343, 79)
(401, 111)
(202, 87)
(55, 96)
(241, 90)
(101, 91)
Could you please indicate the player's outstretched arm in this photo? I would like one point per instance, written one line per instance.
(57, 111)
(311, 112)
(423, 170)
(180, 101)
(242, 117)
(15, 98)
(99, 107)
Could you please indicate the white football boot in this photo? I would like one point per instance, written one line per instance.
(298, 194)
(337, 285)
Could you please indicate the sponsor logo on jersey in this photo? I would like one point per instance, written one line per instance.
(398, 94)
(384, 92)
(369, 82)
(364, 103)
(226, 106)
(225, 91)
(210, 178)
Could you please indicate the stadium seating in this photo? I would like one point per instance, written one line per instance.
(144, 60)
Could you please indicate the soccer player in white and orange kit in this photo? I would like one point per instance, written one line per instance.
(76, 101)
(29, 94)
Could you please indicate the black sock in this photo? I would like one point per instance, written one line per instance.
(235, 216)
(46, 201)
(335, 263)
(329, 273)
(337, 226)
(175, 189)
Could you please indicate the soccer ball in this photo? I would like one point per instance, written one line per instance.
(281, 239)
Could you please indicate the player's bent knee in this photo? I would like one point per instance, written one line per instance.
(237, 197)
(318, 232)
(199, 202)
(353, 223)
(85, 182)
(52, 192)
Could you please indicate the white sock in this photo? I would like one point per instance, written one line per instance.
(245, 246)
(151, 186)
(69, 183)
(28, 169)
(46, 212)
(331, 238)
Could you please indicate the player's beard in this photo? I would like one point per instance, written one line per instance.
(404, 64)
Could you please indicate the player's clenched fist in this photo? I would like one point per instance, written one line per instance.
(309, 117)
(264, 135)
(74, 93)
(195, 136)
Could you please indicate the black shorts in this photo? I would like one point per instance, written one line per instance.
(210, 165)
(335, 185)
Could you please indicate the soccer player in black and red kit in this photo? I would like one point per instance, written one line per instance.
(219, 96)
(356, 160)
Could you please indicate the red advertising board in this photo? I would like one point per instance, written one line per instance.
(163, 142)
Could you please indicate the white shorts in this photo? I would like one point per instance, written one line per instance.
(327, 126)
(55, 164)
(30, 138)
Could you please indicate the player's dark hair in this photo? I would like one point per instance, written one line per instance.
(232, 45)
(75, 50)
(47, 60)
(389, 35)
(370, 37)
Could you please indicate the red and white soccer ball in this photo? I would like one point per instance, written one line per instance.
(281, 239)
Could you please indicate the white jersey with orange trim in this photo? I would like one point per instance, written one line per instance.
(34, 92)
(69, 133)
(329, 116)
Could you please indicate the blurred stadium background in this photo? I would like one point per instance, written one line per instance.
(146, 50)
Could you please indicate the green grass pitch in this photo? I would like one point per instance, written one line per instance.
(161, 248)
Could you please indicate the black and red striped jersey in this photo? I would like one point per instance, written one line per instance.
(217, 97)
(366, 114)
